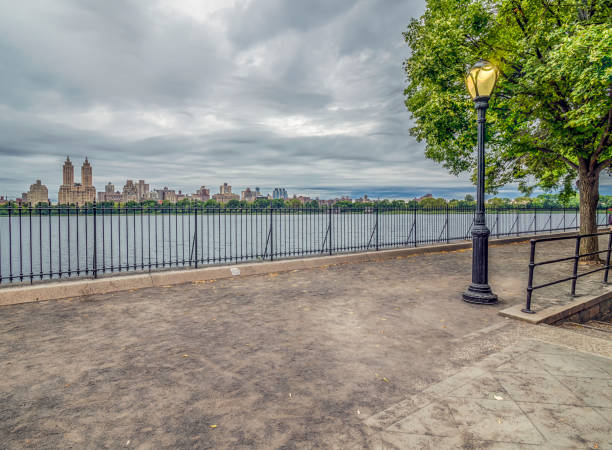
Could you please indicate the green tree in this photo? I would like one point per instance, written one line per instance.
(431, 202)
(550, 118)
(293, 203)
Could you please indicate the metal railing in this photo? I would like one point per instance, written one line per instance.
(575, 258)
(48, 242)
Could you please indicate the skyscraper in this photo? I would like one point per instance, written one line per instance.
(279, 193)
(86, 178)
(68, 170)
(76, 193)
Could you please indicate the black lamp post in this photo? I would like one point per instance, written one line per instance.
(480, 82)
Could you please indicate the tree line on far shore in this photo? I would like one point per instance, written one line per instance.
(540, 201)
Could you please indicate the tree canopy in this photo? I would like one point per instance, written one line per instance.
(550, 117)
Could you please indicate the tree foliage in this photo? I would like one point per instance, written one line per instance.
(550, 117)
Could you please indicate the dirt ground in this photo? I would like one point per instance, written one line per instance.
(288, 360)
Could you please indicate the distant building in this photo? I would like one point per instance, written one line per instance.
(38, 193)
(130, 192)
(142, 190)
(202, 194)
(3, 200)
(303, 200)
(76, 193)
(166, 194)
(279, 193)
(364, 199)
(109, 194)
(225, 194)
(180, 196)
(248, 195)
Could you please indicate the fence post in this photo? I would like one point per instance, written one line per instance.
(527, 309)
(497, 221)
(575, 271)
(550, 221)
(564, 219)
(330, 230)
(518, 222)
(447, 226)
(415, 226)
(95, 238)
(195, 234)
(608, 259)
(376, 227)
(271, 235)
(535, 221)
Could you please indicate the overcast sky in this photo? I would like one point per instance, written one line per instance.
(301, 94)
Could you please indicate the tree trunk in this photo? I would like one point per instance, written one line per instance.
(588, 186)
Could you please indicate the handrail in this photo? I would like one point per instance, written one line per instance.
(575, 275)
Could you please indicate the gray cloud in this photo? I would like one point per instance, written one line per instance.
(306, 95)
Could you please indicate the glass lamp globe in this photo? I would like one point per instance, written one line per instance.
(481, 79)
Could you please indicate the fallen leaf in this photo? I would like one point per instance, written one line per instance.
(185, 355)
(386, 380)
(499, 420)
(498, 397)
(358, 412)
(213, 426)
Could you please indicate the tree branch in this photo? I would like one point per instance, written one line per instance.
(603, 165)
(548, 8)
(563, 158)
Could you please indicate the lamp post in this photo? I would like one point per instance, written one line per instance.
(480, 82)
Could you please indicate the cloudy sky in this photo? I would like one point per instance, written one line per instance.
(301, 94)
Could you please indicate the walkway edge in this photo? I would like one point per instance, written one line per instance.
(580, 310)
(89, 286)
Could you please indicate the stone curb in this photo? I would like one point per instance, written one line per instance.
(89, 286)
(580, 310)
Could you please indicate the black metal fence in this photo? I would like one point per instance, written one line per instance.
(574, 258)
(42, 242)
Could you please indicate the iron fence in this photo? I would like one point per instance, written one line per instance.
(44, 242)
(574, 258)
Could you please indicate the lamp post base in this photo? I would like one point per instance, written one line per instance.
(480, 294)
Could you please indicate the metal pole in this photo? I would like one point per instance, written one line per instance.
(527, 309)
(377, 227)
(271, 236)
(479, 290)
(608, 259)
(575, 271)
(330, 230)
(195, 234)
(95, 242)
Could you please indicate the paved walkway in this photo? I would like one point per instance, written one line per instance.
(532, 395)
(290, 360)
